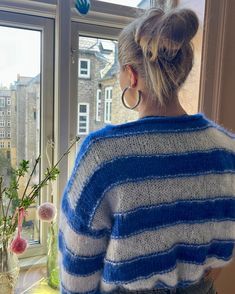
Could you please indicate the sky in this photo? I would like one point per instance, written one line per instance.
(19, 53)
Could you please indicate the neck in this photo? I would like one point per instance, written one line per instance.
(154, 109)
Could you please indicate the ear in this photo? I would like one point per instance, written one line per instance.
(133, 76)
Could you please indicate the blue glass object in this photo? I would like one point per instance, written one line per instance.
(82, 6)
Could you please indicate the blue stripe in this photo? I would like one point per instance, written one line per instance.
(148, 125)
(175, 246)
(158, 125)
(134, 169)
(165, 262)
(78, 265)
(189, 123)
(157, 217)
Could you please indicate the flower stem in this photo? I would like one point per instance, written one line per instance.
(33, 194)
(30, 177)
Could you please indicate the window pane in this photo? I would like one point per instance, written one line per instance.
(2, 102)
(189, 94)
(20, 88)
(84, 64)
(83, 108)
(82, 118)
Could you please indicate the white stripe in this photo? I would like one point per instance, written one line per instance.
(81, 244)
(183, 272)
(131, 195)
(151, 242)
(145, 144)
(79, 283)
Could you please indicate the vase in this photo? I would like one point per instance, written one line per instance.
(9, 266)
(52, 257)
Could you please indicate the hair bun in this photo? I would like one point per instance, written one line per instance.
(177, 27)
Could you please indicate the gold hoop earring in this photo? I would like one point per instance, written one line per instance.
(123, 100)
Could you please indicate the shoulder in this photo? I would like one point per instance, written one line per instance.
(110, 131)
(222, 129)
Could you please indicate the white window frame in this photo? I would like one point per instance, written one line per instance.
(86, 114)
(2, 123)
(8, 101)
(4, 101)
(2, 113)
(21, 17)
(8, 134)
(8, 123)
(2, 134)
(108, 103)
(8, 144)
(98, 105)
(2, 145)
(82, 75)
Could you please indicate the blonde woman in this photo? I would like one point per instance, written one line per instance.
(150, 204)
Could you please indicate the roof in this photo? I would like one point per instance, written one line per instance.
(35, 80)
(5, 93)
(22, 81)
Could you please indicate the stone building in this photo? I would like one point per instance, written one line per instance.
(95, 59)
(5, 122)
(99, 93)
(119, 114)
(32, 118)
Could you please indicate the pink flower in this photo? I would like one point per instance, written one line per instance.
(18, 245)
(46, 212)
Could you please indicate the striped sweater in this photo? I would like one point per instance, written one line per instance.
(149, 204)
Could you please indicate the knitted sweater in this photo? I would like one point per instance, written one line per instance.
(149, 204)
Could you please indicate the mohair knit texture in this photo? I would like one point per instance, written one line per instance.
(149, 204)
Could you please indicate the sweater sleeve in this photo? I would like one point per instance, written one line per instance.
(81, 248)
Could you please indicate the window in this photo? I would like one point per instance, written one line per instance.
(83, 118)
(84, 68)
(8, 154)
(2, 102)
(2, 123)
(2, 113)
(2, 134)
(98, 105)
(108, 104)
(2, 145)
(20, 78)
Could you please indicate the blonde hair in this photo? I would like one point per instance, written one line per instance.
(158, 47)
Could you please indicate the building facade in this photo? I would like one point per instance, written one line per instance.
(5, 122)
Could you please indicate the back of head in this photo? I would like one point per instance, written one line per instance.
(158, 47)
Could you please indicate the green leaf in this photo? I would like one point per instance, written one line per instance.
(26, 202)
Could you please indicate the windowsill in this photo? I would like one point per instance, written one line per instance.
(36, 261)
(32, 271)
